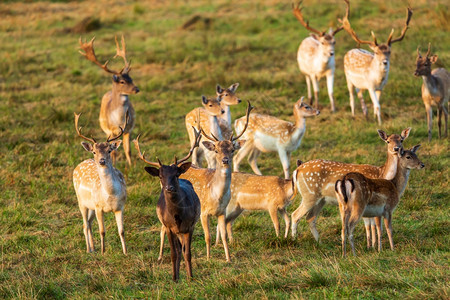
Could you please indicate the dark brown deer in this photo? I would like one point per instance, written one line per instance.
(178, 207)
(115, 103)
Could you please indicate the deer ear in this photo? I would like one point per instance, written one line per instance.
(116, 78)
(405, 132)
(238, 144)
(115, 144)
(208, 145)
(234, 87)
(87, 146)
(382, 135)
(184, 167)
(314, 36)
(299, 162)
(152, 171)
(204, 100)
(415, 148)
(433, 58)
(219, 90)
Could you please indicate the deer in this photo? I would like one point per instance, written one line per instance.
(315, 57)
(100, 188)
(212, 120)
(267, 134)
(178, 207)
(359, 196)
(365, 70)
(213, 186)
(115, 102)
(253, 192)
(435, 88)
(315, 180)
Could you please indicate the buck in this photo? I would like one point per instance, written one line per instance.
(359, 196)
(115, 102)
(178, 207)
(100, 187)
(435, 88)
(315, 58)
(213, 186)
(215, 118)
(266, 134)
(315, 180)
(369, 71)
(253, 192)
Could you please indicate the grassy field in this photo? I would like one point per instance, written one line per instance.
(43, 80)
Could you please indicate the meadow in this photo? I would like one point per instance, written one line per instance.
(43, 80)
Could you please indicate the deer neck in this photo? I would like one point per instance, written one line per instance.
(430, 83)
(401, 179)
(300, 121)
(109, 180)
(389, 169)
(221, 182)
(117, 98)
(227, 115)
(214, 127)
(173, 199)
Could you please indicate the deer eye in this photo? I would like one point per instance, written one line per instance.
(122, 82)
(210, 105)
(388, 142)
(408, 157)
(93, 152)
(109, 151)
(226, 94)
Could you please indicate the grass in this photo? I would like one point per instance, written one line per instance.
(43, 80)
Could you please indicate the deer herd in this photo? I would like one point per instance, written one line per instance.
(190, 192)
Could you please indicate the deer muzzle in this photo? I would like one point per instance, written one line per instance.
(102, 161)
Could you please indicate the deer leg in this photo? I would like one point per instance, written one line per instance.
(379, 231)
(229, 221)
(376, 105)
(243, 152)
(173, 254)
(101, 228)
(217, 235)
(388, 225)
(126, 147)
(445, 109)
(308, 84)
(298, 214)
(367, 227)
(439, 120)
(315, 82)
(285, 158)
(287, 221)
(351, 96)
(311, 217)
(161, 243)
(429, 120)
(205, 224)
(86, 227)
(223, 233)
(363, 103)
(119, 221)
(254, 154)
(374, 232)
(91, 216)
(187, 238)
(343, 229)
(330, 82)
(274, 217)
(179, 248)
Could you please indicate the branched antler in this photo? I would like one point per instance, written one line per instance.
(78, 129)
(142, 155)
(198, 137)
(346, 25)
(298, 14)
(390, 41)
(249, 109)
(127, 118)
(122, 53)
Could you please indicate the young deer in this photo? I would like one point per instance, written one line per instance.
(213, 185)
(254, 192)
(115, 102)
(369, 71)
(315, 58)
(214, 118)
(100, 187)
(435, 88)
(266, 134)
(359, 196)
(178, 207)
(315, 180)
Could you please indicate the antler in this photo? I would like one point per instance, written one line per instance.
(127, 117)
(346, 25)
(78, 129)
(198, 137)
(142, 155)
(390, 41)
(429, 50)
(298, 14)
(122, 53)
(418, 53)
(249, 109)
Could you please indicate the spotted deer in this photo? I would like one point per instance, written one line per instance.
(435, 88)
(115, 102)
(269, 134)
(369, 71)
(212, 120)
(213, 186)
(315, 57)
(315, 180)
(178, 207)
(359, 196)
(100, 187)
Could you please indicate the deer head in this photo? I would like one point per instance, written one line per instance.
(394, 141)
(212, 106)
(301, 109)
(424, 63)
(228, 96)
(326, 39)
(101, 151)
(409, 159)
(382, 52)
(122, 82)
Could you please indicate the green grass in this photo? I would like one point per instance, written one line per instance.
(43, 80)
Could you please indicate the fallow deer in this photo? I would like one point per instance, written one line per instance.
(315, 180)
(212, 121)
(369, 71)
(178, 207)
(359, 196)
(315, 57)
(100, 187)
(267, 134)
(213, 185)
(435, 88)
(115, 102)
